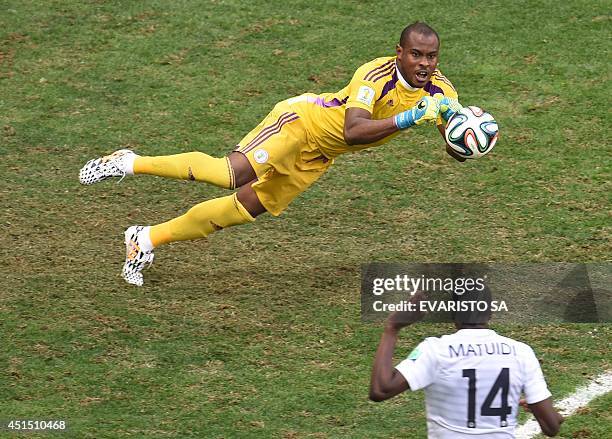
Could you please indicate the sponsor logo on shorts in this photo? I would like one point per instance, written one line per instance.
(261, 156)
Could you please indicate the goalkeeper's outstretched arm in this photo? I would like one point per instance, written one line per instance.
(361, 129)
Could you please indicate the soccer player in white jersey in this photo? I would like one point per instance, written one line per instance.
(473, 379)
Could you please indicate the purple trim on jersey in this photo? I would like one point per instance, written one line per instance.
(279, 127)
(269, 131)
(373, 71)
(382, 74)
(432, 89)
(320, 101)
(390, 85)
(443, 79)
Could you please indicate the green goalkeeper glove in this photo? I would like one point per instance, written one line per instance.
(425, 110)
(448, 106)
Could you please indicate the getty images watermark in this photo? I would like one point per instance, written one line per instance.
(408, 285)
(512, 293)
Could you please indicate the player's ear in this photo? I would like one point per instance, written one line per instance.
(398, 50)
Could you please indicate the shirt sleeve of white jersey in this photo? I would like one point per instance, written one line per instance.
(535, 387)
(419, 368)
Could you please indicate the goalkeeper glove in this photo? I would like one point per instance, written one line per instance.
(425, 110)
(448, 106)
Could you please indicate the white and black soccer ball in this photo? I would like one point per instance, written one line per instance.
(471, 132)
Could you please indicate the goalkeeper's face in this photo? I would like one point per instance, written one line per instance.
(418, 58)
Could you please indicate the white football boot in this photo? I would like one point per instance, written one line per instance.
(117, 164)
(136, 259)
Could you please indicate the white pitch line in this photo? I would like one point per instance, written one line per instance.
(582, 396)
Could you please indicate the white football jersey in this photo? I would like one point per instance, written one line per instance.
(473, 380)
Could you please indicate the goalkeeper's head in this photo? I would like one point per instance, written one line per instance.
(417, 54)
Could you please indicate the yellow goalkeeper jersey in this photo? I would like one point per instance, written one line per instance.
(377, 87)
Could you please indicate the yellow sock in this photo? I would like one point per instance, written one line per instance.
(188, 166)
(201, 220)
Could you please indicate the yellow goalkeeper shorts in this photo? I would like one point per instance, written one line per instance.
(285, 158)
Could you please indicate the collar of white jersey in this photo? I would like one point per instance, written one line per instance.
(402, 80)
(476, 331)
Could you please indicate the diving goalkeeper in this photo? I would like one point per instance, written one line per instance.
(293, 146)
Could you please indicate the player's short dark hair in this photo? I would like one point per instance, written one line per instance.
(473, 316)
(418, 27)
(483, 295)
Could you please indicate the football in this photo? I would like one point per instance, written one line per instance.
(471, 132)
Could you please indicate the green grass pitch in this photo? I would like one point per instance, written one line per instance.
(256, 332)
